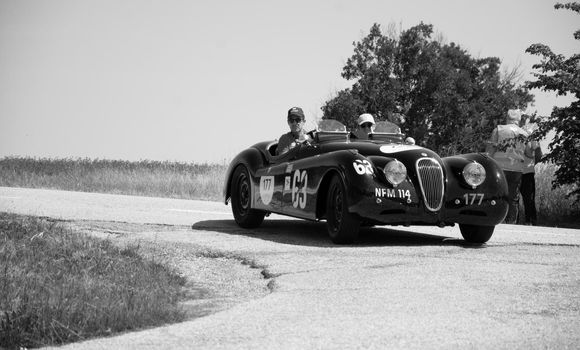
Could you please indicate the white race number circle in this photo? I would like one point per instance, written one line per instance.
(266, 189)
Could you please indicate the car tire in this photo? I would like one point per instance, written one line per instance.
(342, 226)
(475, 233)
(241, 187)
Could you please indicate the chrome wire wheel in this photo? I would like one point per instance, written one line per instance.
(338, 208)
(241, 190)
(244, 193)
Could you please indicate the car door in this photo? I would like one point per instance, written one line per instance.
(301, 179)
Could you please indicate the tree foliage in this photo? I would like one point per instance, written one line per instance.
(561, 75)
(437, 93)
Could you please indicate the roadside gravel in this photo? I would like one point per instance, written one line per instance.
(215, 280)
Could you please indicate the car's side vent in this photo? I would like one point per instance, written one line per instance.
(430, 177)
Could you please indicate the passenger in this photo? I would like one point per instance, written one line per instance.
(366, 124)
(296, 135)
(507, 148)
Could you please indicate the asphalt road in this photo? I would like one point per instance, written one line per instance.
(415, 287)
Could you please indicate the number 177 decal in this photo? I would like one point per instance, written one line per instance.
(473, 198)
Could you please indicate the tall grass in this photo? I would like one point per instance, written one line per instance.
(57, 286)
(552, 204)
(143, 178)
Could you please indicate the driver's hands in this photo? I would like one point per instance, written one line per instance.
(306, 140)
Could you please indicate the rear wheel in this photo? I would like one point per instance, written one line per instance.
(241, 187)
(342, 226)
(475, 233)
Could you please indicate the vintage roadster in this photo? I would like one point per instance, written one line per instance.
(380, 181)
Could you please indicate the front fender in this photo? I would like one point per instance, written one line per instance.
(360, 175)
(494, 181)
(462, 205)
(321, 168)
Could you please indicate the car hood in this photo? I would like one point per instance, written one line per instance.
(370, 148)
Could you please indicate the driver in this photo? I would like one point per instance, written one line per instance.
(366, 124)
(296, 135)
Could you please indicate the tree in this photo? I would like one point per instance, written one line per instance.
(344, 104)
(561, 75)
(449, 101)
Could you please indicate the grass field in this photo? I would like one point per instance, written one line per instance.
(143, 178)
(57, 286)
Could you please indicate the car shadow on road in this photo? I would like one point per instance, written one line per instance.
(307, 233)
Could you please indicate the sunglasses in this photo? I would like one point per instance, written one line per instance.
(366, 125)
(292, 120)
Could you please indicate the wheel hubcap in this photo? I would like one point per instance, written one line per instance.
(244, 193)
(337, 207)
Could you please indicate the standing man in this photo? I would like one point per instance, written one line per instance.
(506, 146)
(296, 135)
(532, 155)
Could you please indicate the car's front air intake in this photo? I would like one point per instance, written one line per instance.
(430, 177)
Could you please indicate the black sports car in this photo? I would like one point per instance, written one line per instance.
(380, 181)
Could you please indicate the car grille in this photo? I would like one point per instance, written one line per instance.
(430, 177)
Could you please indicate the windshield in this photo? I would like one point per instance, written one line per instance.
(331, 125)
(387, 128)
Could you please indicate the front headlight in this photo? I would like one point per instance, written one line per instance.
(474, 174)
(396, 172)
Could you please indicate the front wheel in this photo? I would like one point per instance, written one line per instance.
(244, 215)
(475, 233)
(342, 226)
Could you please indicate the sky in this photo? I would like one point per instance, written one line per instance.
(199, 81)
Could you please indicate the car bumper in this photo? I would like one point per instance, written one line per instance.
(400, 211)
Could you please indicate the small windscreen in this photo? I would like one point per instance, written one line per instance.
(331, 125)
(387, 127)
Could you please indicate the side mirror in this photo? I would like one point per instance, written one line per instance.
(409, 141)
